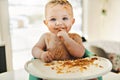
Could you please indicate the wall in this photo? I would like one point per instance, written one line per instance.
(103, 27)
(4, 32)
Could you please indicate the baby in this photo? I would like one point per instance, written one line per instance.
(59, 44)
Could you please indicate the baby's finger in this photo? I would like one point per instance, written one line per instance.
(46, 59)
(58, 35)
(50, 58)
(51, 55)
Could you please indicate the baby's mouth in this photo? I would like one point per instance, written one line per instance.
(57, 29)
(60, 30)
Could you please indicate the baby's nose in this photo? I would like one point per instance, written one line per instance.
(58, 23)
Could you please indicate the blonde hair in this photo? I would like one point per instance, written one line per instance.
(61, 2)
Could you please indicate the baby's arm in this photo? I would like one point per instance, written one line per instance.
(74, 46)
(38, 48)
(38, 51)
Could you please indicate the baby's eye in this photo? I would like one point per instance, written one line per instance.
(65, 18)
(53, 19)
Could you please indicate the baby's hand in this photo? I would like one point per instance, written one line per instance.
(47, 56)
(62, 34)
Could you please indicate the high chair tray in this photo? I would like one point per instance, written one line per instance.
(52, 71)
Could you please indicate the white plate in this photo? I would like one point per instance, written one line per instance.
(37, 68)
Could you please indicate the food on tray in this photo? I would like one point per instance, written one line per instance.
(71, 66)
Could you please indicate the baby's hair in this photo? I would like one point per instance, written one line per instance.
(61, 2)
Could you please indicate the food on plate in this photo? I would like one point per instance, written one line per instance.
(72, 66)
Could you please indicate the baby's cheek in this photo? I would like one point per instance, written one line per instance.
(68, 29)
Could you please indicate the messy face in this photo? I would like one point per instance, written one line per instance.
(59, 17)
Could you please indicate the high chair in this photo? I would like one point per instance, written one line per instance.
(87, 54)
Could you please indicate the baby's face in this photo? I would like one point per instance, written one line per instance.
(59, 17)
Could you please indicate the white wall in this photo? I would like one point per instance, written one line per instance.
(103, 27)
(4, 32)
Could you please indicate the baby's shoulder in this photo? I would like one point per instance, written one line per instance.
(74, 35)
(46, 35)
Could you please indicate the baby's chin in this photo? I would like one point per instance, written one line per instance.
(55, 33)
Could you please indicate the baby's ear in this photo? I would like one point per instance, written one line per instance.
(73, 21)
(45, 22)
